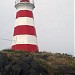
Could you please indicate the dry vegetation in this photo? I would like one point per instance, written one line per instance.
(54, 63)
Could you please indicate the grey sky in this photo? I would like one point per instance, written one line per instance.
(54, 22)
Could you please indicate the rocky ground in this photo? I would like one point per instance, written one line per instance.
(41, 63)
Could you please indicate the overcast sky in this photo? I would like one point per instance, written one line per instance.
(54, 22)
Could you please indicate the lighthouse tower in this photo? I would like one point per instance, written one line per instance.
(24, 37)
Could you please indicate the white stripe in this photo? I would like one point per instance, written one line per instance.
(24, 21)
(23, 7)
(24, 39)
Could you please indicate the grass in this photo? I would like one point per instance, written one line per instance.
(50, 58)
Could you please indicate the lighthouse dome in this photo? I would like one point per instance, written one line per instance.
(18, 1)
(24, 0)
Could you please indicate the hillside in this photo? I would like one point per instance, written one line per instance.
(41, 63)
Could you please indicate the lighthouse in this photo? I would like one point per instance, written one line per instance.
(24, 37)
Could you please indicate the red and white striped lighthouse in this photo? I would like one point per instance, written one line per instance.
(24, 31)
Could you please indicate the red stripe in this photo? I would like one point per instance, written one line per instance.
(25, 47)
(24, 29)
(24, 0)
(24, 13)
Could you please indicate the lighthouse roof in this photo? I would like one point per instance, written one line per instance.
(31, 2)
(27, 1)
(24, 0)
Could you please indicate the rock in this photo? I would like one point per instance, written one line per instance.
(43, 71)
(26, 58)
(8, 69)
(25, 65)
(66, 69)
(3, 60)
